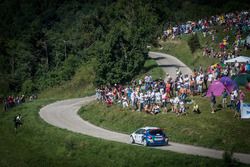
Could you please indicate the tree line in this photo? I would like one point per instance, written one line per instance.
(43, 43)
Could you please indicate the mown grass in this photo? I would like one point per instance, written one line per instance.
(220, 130)
(39, 144)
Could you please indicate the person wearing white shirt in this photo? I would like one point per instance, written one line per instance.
(176, 103)
(124, 102)
(158, 97)
(182, 107)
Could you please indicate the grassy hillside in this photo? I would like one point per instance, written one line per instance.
(180, 49)
(82, 84)
(220, 130)
(39, 144)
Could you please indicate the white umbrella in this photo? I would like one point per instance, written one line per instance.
(240, 59)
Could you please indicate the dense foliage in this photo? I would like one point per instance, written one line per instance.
(43, 42)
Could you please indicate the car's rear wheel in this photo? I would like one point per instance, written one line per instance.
(132, 141)
(145, 142)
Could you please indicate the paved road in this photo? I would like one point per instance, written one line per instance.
(63, 114)
(169, 64)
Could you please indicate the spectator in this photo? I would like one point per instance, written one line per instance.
(196, 108)
(241, 97)
(5, 105)
(232, 100)
(17, 121)
(237, 109)
(124, 102)
(212, 102)
(224, 98)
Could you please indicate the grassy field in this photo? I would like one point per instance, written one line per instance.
(39, 144)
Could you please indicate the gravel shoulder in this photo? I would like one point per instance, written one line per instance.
(63, 114)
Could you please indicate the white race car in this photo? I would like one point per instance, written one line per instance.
(149, 136)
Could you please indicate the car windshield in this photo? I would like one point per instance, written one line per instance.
(156, 132)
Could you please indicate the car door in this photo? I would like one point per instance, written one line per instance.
(138, 135)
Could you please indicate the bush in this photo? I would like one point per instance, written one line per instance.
(228, 159)
(28, 87)
(194, 43)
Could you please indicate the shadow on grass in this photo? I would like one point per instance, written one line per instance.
(147, 69)
(171, 65)
(159, 58)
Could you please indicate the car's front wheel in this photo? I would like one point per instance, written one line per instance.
(145, 143)
(132, 141)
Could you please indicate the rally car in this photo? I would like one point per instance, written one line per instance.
(149, 136)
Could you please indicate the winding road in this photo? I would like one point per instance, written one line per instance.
(63, 114)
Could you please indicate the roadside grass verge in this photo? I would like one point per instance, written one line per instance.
(39, 144)
(220, 130)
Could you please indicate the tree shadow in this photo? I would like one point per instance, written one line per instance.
(159, 58)
(147, 69)
(171, 65)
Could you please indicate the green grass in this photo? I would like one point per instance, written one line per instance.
(181, 50)
(220, 130)
(151, 68)
(40, 144)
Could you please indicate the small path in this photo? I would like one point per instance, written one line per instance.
(63, 114)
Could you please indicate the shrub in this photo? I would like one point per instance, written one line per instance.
(28, 87)
(194, 43)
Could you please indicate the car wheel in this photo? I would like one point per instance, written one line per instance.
(132, 141)
(145, 142)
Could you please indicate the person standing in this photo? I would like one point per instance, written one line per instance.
(17, 121)
(241, 97)
(141, 99)
(232, 101)
(224, 98)
(237, 109)
(5, 103)
(212, 102)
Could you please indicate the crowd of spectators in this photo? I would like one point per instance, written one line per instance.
(155, 96)
(12, 101)
(239, 21)
(233, 25)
